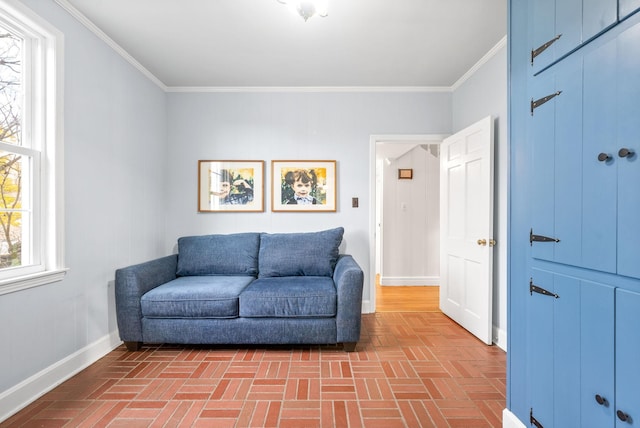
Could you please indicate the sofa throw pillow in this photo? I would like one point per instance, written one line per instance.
(299, 254)
(232, 254)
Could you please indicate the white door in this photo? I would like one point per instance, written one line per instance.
(466, 228)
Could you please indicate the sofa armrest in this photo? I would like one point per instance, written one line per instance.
(131, 283)
(349, 279)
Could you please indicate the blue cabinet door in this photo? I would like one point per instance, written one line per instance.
(566, 348)
(540, 325)
(597, 388)
(555, 133)
(599, 185)
(628, 112)
(627, 358)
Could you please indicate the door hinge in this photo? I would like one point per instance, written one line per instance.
(535, 289)
(537, 103)
(540, 238)
(538, 51)
(534, 421)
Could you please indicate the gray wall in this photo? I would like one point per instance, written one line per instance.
(483, 94)
(114, 172)
(289, 126)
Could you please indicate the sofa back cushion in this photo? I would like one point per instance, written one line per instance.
(232, 254)
(299, 254)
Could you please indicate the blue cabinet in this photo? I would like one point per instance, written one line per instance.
(575, 171)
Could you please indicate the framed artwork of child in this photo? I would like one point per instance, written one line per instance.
(303, 186)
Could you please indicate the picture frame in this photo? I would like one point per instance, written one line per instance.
(303, 186)
(405, 174)
(230, 186)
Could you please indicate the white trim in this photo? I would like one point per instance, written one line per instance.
(12, 285)
(423, 281)
(48, 127)
(494, 50)
(367, 308)
(109, 41)
(308, 88)
(500, 338)
(509, 420)
(29, 390)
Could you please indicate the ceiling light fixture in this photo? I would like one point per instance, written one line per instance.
(308, 8)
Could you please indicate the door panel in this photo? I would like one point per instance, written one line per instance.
(597, 358)
(628, 137)
(600, 177)
(466, 218)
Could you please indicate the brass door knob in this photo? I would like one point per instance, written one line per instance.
(482, 242)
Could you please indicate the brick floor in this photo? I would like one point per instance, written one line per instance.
(409, 370)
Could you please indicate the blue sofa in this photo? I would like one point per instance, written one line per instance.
(244, 288)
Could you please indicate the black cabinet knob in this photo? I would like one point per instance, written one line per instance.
(625, 153)
(622, 416)
(603, 157)
(601, 400)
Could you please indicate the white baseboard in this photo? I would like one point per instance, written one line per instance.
(509, 420)
(27, 391)
(410, 280)
(500, 338)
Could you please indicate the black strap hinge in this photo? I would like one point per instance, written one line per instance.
(537, 103)
(534, 421)
(538, 51)
(535, 289)
(540, 238)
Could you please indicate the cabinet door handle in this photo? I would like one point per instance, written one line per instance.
(622, 416)
(601, 400)
(625, 153)
(603, 157)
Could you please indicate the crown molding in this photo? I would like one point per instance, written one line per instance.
(327, 89)
(109, 41)
(494, 50)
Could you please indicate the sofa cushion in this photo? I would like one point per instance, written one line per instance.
(195, 297)
(299, 254)
(233, 254)
(293, 296)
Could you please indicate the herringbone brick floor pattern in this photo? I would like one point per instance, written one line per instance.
(408, 370)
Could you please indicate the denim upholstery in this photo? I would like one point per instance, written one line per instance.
(293, 254)
(205, 295)
(289, 296)
(195, 297)
(234, 254)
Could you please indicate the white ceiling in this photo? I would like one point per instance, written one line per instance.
(259, 43)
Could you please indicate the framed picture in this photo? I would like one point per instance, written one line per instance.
(230, 186)
(303, 186)
(405, 174)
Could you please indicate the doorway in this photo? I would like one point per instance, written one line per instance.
(394, 263)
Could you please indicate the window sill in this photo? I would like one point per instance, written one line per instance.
(29, 281)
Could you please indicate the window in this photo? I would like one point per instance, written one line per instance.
(30, 143)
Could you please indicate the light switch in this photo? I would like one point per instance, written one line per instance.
(354, 202)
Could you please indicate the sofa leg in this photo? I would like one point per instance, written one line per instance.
(349, 346)
(133, 346)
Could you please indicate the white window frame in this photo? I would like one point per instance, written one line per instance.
(44, 112)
